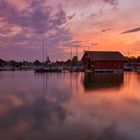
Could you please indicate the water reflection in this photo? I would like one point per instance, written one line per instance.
(94, 81)
(55, 106)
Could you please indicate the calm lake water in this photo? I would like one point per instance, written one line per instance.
(67, 106)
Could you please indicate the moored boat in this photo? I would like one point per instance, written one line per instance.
(47, 69)
(128, 67)
(137, 69)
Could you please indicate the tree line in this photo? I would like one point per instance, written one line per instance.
(74, 61)
(133, 59)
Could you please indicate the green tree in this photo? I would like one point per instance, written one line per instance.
(74, 60)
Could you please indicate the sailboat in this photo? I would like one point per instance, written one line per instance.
(44, 68)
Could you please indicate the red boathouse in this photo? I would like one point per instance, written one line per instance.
(103, 61)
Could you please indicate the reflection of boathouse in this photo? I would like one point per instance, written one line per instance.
(93, 81)
(103, 61)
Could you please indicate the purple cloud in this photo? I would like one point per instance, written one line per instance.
(112, 2)
(36, 22)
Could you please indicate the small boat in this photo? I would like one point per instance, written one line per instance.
(137, 69)
(76, 69)
(7, 68)
(128, 67)
(47, 69)
(88, 71)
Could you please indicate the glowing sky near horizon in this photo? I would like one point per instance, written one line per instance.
(104, 25)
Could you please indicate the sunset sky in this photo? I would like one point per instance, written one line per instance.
(104, 25)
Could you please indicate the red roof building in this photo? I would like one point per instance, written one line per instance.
(103, 61)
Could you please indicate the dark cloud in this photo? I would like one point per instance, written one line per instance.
(105, 30)
(36, 22)
(112, 2)
(72, 16)
(131, 30)
(36, 18)
(74, 44)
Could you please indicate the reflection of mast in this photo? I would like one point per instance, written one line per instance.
(77, 87)
(44, 85)
(71, 83)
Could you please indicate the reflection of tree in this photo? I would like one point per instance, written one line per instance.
(102, 80)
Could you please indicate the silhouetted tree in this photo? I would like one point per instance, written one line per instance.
(138, 59)
(36, 63)
(74, 60)
(2, 63)
(68, 62)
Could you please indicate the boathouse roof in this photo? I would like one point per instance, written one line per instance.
(104, 55)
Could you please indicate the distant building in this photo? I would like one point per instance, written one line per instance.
(103, 61)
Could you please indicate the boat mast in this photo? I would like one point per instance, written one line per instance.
(77, 51)
(71, 53)
(43, 50)
(46, 54)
